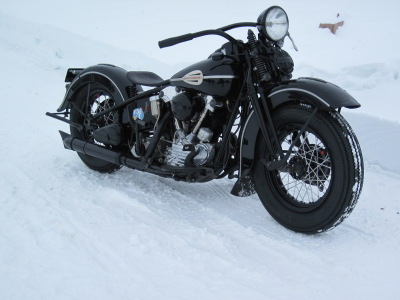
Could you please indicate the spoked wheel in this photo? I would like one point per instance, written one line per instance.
(310, 175)
(92, 100)
(323, 178)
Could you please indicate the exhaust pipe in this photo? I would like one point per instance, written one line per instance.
(78, 145)
(75, 144)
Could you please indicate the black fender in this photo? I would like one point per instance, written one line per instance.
(316, 92)
(114, 78)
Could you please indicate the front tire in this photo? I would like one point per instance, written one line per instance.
(325, 177)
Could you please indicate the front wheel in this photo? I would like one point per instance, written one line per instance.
(324, 177)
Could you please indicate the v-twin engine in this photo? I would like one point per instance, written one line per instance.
(185, 152)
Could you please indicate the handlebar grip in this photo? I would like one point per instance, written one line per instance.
(175, 40)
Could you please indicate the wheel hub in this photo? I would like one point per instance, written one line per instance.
(297, 167)
(310, 166)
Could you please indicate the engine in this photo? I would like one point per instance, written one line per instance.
(187, 151)
(194, 139)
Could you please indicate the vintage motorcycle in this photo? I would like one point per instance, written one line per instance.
(235, 114)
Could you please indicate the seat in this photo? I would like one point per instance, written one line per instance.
(146, 78)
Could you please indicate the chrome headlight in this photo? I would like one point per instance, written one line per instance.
(273, 23)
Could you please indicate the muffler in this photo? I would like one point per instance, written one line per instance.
(75, 144)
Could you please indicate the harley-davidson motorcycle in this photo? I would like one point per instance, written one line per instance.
(236, 114)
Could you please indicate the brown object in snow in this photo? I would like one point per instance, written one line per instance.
(332, 27)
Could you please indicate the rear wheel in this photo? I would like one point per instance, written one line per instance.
(90, 100)
(324, 177)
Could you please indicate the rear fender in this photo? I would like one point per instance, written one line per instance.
(112, 77)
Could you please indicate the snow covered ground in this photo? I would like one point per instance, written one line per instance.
(69, 233)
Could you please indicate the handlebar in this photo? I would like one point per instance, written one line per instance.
(190, 36)
(175, 40)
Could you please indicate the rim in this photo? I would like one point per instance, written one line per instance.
(311, 176)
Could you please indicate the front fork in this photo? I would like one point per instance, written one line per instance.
(257, 96)
(263, 109)
(264, 118)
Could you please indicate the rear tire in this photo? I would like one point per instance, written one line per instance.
(326, 181)
(92, 99)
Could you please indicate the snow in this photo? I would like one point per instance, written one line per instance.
(67, 232)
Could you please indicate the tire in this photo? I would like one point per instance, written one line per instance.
(325, 181)
(91, 99)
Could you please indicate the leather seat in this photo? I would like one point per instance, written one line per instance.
(146, 78)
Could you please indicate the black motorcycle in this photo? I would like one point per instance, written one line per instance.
(235, 114)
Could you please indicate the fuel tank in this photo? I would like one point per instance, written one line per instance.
(216, 77)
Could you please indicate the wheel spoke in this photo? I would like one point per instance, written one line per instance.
(96, 103)
(310, 186)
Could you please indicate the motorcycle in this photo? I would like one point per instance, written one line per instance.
(237, 114)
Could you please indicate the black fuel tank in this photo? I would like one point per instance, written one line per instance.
(214, 77)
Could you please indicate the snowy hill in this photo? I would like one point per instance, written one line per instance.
(67, 232)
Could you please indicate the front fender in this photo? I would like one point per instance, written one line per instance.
(114, 78)
(315, 92)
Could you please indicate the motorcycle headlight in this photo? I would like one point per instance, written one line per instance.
(273, 23)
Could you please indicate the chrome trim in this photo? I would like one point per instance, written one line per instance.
(220, 77)
(88, 73)
(210, 77)
(300, 90)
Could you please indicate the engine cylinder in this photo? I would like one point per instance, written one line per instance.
(182, 107)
